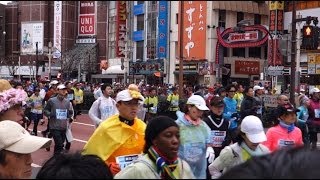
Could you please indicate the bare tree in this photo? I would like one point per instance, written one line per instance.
(12, 64)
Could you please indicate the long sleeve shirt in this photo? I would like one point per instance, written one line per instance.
(279, 137)
(102, 109)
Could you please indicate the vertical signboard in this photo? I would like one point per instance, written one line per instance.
(87, 18)
(31, 33)
(162, 28)
(194, 29)
(57, 28)
(121, 28)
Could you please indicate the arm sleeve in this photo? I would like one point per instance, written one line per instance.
(47, 109)
(93, 112)
(224, 160)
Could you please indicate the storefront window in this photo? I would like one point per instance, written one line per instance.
(222, 18)
(255, 52)
(140, 50)
(257, 19)
(238, 52)
(140, 22)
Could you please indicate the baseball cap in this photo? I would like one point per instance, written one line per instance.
(54, 82)
(198, 101)
(257, 88)
(314, 90)
(217, 101)
(253, 128)
(286, 108)
(125, 95)
(14, 138)
(61, 86)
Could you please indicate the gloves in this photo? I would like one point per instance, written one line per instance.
(210, 154)
(234, 115)
(114, 168)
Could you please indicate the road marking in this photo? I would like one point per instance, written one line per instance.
(83, 124)
(75, 139)
(35, 165)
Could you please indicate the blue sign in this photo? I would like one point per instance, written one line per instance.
(138, 9)
(138, 36)
(163, 29)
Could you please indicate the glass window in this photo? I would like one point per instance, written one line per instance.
(240, 16)
(140, 50)
(257, 19)
(112, 4)
(177, 18)
(140, 22)
(140, 2)
(222, 18)
(238, 52)
(255, 52)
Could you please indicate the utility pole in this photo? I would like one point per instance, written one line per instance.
(293, 57)
(37, 61)
(181, 51)
(49, 47)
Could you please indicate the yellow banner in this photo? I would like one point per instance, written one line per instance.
(276, 5)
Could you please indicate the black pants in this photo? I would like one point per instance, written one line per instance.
(35, 118)
(59, 136)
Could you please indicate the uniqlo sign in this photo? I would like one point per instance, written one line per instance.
(86, 25)
(87, 17)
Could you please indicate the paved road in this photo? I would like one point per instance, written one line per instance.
(82, 129)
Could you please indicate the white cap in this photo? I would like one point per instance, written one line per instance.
(314, 90)
(125, 95)
(61, 86)
(257, 88)
(198, 101)
(14, 138)
(253, 128)
(302, 90)
(54, 82)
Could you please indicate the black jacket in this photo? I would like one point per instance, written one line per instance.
(249, 106)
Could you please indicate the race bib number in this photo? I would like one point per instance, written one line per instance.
(61, 114)
(106, 111)
(317, 113)
(77, 98)
(153, 109)
(259, 110)
(70, 97)
(175, 103)
(124, 161)
(285, 143)
(218, 138)
(193, 151)
(37, 104)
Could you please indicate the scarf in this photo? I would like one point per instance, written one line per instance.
(193, 122)
(164, 166)
(247, 153)
(290, 127)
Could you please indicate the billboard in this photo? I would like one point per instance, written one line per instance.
(87, 18)
(194, 30)
(57, 28)
(31, 33)
(163, 29)
(121, 31)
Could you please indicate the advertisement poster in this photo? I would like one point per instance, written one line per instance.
(87, 18)
(57, 28)
(31, 33)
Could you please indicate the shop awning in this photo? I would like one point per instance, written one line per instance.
(242, 6)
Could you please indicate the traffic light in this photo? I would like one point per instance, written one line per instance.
(310, 40)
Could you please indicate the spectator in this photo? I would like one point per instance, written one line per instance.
(121, 134)
(248, 144)
(74, 166)
(249, 106)
(16, 146)
(78, 94)
(161, 145)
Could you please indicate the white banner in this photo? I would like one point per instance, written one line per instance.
(57, 28)
(31, 33)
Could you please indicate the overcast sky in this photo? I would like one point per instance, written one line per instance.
(4, 2)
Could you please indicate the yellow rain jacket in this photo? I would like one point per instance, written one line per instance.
(114, 138)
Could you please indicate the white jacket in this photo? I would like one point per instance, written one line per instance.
(102, 109)
(229, 157)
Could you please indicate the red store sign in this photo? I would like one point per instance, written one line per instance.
(121, 28)
(247, 36)
(247, 67)
(86, 25)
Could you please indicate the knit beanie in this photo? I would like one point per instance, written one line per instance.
(155, 127)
